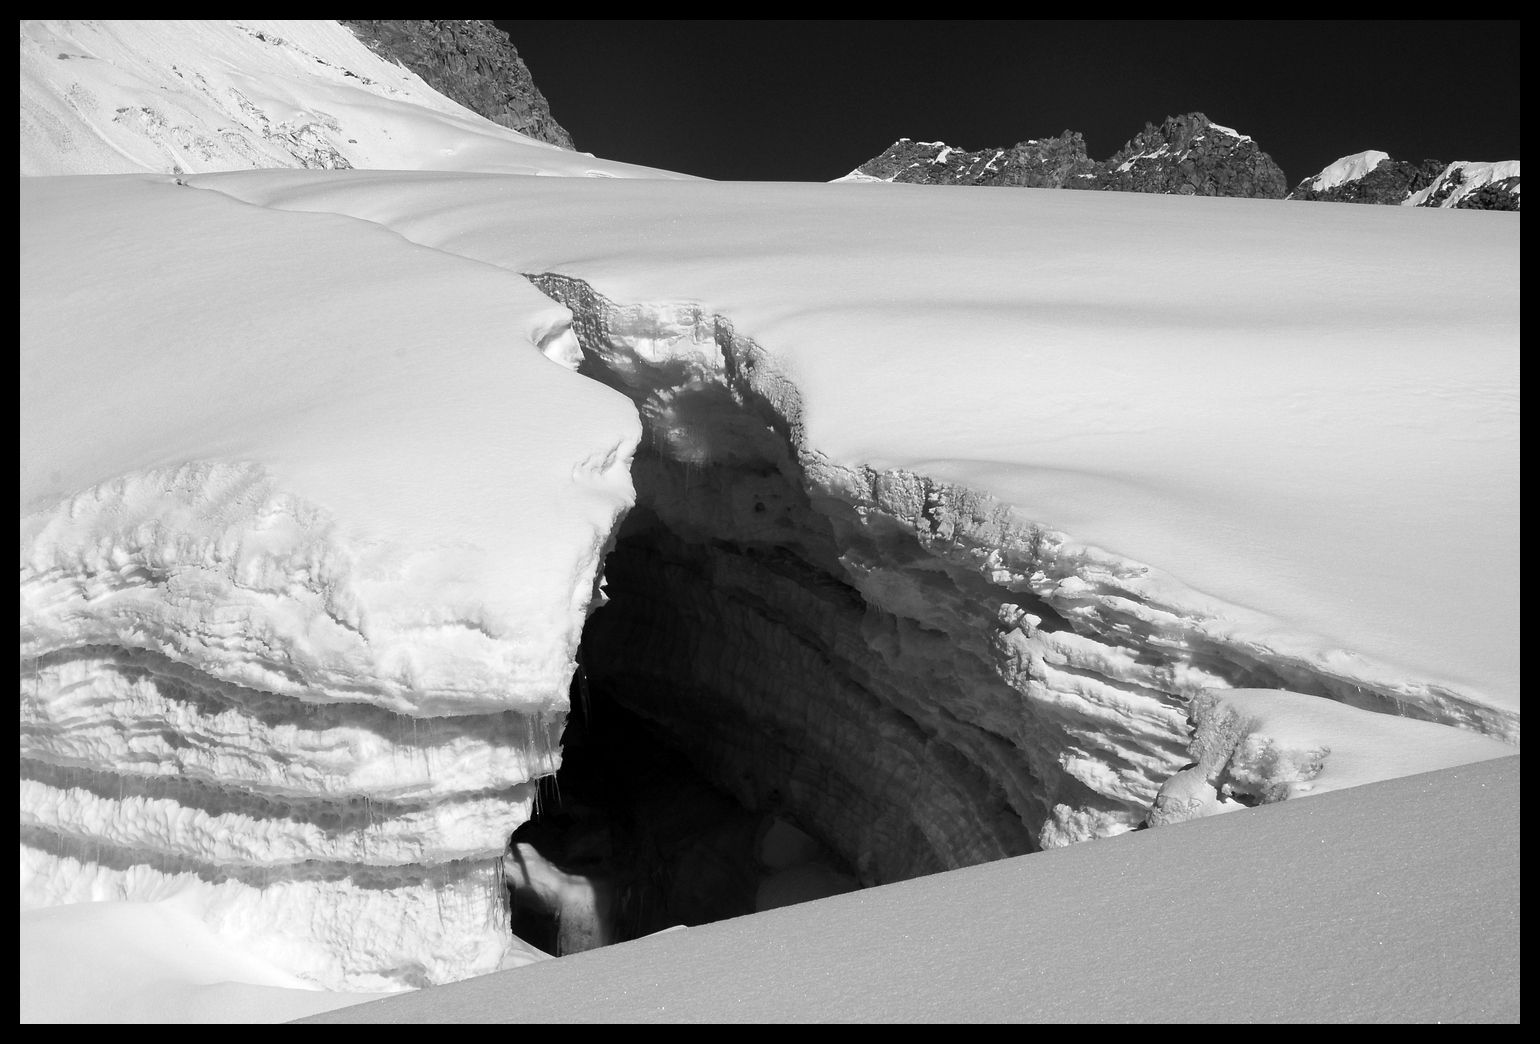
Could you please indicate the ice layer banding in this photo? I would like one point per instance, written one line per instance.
(906, 670)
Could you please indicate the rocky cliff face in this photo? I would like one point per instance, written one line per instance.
(1373, 177)
(471, 61)
(1186, 155)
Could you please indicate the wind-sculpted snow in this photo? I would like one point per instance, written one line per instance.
(309, 532)
(1258, 746)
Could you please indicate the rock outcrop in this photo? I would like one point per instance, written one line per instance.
(1192, 156)
(471, 61)
(1373, 177)
(1186, 155)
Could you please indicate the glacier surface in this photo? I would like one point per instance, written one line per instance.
(960, 519)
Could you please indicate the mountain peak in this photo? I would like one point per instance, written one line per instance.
(1186, 155)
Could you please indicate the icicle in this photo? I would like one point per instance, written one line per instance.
(582, 676)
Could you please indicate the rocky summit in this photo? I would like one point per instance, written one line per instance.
(471, 61)
(1186, 155)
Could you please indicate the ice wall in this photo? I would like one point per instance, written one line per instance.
(908, 668)
(309, 531)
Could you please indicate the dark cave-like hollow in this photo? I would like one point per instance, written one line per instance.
(629, 839)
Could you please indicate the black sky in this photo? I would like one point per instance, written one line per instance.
(808, 101)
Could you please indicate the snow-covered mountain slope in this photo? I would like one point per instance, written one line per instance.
(1397, 902)
(471, 61)
(1373, 177)
(1186, 155)
(183, 97)
(309, 532)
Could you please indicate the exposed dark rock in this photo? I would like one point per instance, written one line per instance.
(1044, 163)
(1191, 156)
(470, 61)
(1391, 182)
(1188, 155)
(1496, 195)
(1395, 182)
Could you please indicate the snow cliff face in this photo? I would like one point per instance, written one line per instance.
(1186, 155)
(261, 672)
(1373, 177)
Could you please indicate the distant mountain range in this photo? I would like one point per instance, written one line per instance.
(1373, 177)
(1194, 156)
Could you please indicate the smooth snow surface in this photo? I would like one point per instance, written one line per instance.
(1300, 424)
(1348, 168)
(1394, 902)
(118, 97)
(151, 962)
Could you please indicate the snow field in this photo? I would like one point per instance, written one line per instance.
(1092, 457)
(1395, 902)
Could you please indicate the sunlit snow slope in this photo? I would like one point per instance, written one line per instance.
(1397, 902)
(101, 97)
(309, 530)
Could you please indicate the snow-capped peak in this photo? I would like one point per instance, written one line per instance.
(1348, 168)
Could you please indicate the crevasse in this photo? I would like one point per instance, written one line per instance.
(907, 668)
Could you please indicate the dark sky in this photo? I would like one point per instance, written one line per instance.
(808, 101)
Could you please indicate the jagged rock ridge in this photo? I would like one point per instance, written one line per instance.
(1374, 177)
(1186, 155)
(471, 61)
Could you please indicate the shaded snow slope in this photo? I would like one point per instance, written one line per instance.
(107, 97)
(309, 530)
(1393, 902)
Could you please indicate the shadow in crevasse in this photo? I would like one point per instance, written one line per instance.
(629, 839)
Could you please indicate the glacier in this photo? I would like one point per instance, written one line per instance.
(302, 673)
(289, 651)
(933, 527)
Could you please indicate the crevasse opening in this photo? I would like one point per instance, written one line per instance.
(901, 671)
